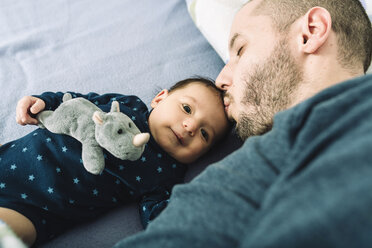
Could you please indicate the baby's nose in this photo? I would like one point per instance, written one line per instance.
(190, 126)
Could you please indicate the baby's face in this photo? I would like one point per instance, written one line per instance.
(188, 121)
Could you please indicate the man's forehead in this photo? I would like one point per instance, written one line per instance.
(244, 20)
(242, 16)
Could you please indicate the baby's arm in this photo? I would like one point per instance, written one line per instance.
(153, 204)
(27, 108)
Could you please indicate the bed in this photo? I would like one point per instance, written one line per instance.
(131, 47)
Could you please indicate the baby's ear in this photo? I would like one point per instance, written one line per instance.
(115, 106)
(159, 97)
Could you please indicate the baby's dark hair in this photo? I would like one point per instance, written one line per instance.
(197, 79)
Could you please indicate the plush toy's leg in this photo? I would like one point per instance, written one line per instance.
(49, 120)
(8, 239)
(66, 97)
(43, 118)
(93, 158)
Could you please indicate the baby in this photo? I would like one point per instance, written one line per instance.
(44, 188)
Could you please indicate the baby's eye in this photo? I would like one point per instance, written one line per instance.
(186, 108)
(204, 134)
(239, 52)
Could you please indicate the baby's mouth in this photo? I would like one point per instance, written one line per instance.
(178, 136)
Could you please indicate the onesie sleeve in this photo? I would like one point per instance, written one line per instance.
(54, 99)
(153, 204)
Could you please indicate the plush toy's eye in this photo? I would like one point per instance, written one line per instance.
(120, 131)
(130, 125)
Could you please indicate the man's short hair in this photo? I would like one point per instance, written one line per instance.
(350, 22)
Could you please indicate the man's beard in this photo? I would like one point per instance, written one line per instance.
(268, 90)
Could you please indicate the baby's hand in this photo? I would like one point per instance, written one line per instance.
(27, 108)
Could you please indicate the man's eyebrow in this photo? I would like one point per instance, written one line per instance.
(232, 41)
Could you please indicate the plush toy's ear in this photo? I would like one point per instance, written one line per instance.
(115, 107)
(97, 118)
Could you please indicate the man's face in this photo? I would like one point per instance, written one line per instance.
(261, 76)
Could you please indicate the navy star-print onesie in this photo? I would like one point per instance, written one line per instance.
(42, 175)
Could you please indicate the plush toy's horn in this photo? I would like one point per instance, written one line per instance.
(141, 139)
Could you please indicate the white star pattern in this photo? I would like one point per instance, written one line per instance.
(24, 149)
(24, 196)
(138, 178)
(159, 169)
(133, 118)
(71, 201)
(31, 177)
(13, 167)
(64, 149)
(159, 155)
(76, 180)
(48, 140)
(39, 157)
(58, 170)
(144, 208)
(95, 192)
(2, 185)
(13, 146)
(121, 167)
(143, 159)
(114, 199)
(50, 190)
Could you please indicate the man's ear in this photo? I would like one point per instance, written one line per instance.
(159, 97)
(316, 28)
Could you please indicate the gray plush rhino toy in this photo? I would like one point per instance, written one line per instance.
(95, 129)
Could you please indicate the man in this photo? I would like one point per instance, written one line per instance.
(303, 177)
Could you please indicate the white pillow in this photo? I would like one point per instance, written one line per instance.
(214, 19)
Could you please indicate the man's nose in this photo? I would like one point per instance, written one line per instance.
(190, 126)
(224, 79)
